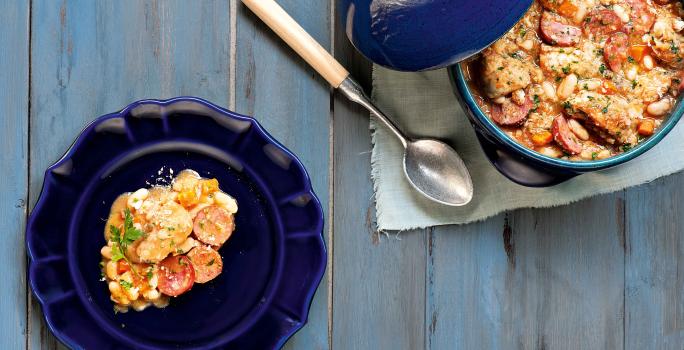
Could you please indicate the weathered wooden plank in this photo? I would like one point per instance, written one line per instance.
(378, 297)
(654, 277)
(535, 279)
(293, 103)
(94, 57)
(14, 75)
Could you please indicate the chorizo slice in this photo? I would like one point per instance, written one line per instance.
(176, 275)
(564, 136)
(509, 113)
(602, 22)
(213, 225)
(207, 263)
(616, 50)
(641, 17)
(556, 32)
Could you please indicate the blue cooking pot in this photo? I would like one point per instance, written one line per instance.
(415, 35)
(528, 167)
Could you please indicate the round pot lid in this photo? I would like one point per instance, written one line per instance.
(415, 35)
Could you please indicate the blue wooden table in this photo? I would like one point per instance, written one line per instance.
(605, 273)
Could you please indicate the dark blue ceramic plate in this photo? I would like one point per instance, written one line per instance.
(272, 263)
(415, 35)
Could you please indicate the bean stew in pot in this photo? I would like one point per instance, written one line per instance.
(583, 79)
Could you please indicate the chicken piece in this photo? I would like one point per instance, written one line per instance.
(585, 61)
(503, 74)
(649, 87)
(611, 114)
(167, 225)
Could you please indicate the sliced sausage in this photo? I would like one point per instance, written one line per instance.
(176, 275)
(641, 18)
(616, 50)
(509, 113)
(207, 263)
(602, 22)
(213, 225)
(564, 136)
(555, 32)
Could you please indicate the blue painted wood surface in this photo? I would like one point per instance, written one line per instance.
(602, 273)
(14, 91)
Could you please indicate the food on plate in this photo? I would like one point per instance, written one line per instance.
(163, 240)
(583, 80)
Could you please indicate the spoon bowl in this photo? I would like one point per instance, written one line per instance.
(435, 170)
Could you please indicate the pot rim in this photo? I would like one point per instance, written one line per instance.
(456, 73)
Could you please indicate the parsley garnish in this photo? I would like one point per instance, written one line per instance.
(127, 285)
(630, 59)
(602, 68)
(121, 241)
(211, 262)
(626, 147)
(149, 273)
(594, 155)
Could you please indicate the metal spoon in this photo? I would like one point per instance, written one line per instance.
(432, 167)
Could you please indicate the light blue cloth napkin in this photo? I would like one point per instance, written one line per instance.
(423, 104)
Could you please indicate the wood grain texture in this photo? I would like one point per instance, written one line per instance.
(654, 266)
(378, 281)
(535, 279)
(94, 57)
(14, 75)
(293, 103)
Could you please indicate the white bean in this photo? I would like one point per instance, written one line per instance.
(631, 73)
(648, 62)
(500, 100)
(527, 44)
(518, 97)
(106, 252)
(226, 202)
(620, 12)
(590, 84)
(549, 152)
(580, 14)
(578, 129)
(603, 154)
(659, 108)
(135, 200)
(549, 90)
(678, 25)
(659, 28)
(110, 270)
(567, 86)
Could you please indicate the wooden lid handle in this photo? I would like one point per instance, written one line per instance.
(299, 40)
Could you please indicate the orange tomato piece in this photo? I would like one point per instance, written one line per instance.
(188, 198)
(122, 266)
(637, 52)
(646, 127)
(567, 9)
(209, 185)
(542, 138)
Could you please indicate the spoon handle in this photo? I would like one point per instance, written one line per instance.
(299, 40)
(317, 57)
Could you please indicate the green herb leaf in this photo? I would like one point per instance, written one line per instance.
(211, 262)
(127, 285)
(117, 254)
